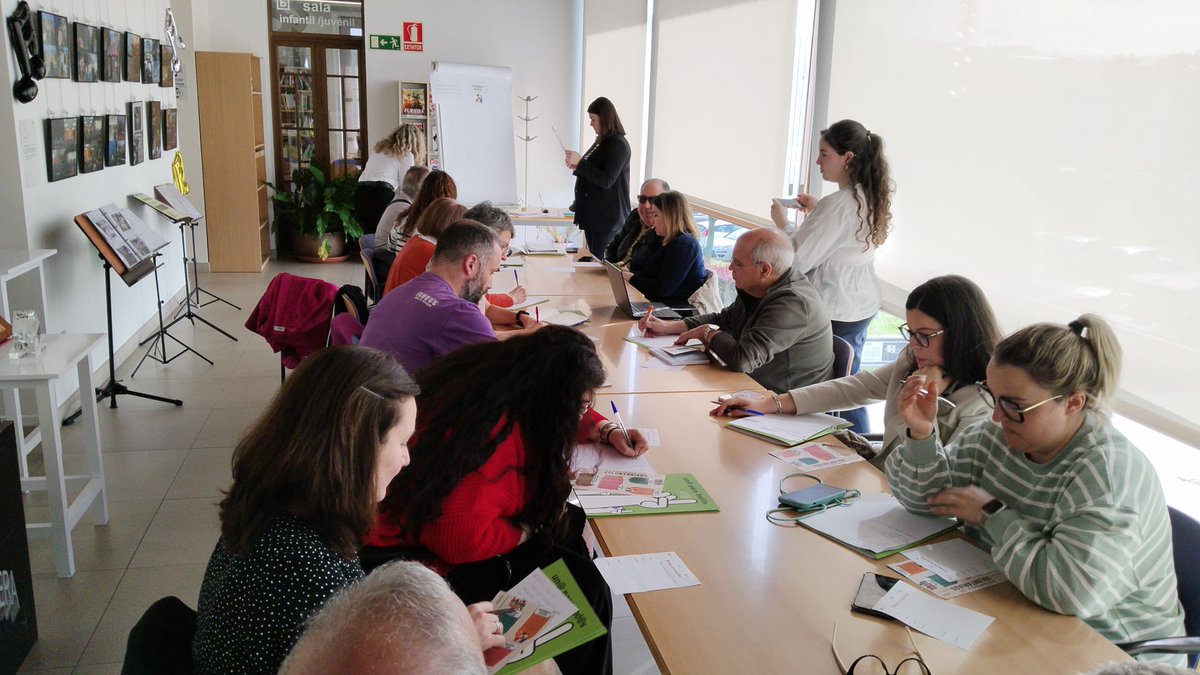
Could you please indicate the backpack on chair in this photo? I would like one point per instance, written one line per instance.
(350, 298)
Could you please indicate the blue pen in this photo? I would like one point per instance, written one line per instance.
(621, 424)
(516, 278)
(752, 412)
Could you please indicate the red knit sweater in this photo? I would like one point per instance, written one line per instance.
(478, 518)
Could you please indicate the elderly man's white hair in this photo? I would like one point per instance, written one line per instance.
(403, 618)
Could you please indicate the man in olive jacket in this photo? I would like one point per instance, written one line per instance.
(777, 329)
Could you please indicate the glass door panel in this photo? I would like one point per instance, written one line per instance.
(297, 119)
(343, 89)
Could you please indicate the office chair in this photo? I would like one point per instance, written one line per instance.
(1185, 540)
(161, 641)
(366, 250)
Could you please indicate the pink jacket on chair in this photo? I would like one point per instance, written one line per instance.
(293, 316)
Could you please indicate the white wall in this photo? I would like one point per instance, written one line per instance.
(532, 37)
(614, 66)
(42, 216)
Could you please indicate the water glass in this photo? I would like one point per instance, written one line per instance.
(25, 332)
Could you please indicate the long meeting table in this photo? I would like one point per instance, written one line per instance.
(770, 596)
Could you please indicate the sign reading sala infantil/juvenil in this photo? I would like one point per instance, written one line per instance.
(344, 17)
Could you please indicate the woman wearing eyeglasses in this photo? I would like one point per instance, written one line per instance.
(836, 241)
(951, 332)
(674, 271)
(1072, 511)
(486, 492)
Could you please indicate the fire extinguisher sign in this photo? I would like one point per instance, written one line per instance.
(414, 37)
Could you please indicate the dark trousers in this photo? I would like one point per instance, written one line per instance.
(480, 581)
(597, 241)
(855, 332)
(370, 200)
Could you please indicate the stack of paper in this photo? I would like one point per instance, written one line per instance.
(635, 336)
(877, 526)
(939, 619)
(789, 430)
(685, 355)
(949, 569)
(815, 456)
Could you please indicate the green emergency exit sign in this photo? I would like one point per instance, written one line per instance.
(386, 42)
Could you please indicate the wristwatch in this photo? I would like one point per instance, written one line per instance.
(990, 509)
(709, 329)
(520, 314)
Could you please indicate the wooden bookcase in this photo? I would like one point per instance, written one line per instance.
(229, 89)
(417, 107)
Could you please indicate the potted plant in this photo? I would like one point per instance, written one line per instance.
(320, 213)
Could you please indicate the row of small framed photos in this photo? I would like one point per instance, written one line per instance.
(97, 54)
(89, 143)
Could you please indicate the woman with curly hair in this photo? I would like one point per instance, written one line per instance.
(486, 493)
(836, 242)
(391, 157)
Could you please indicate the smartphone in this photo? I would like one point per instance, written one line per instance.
(871, 590)
(812, 497)
(787, 202)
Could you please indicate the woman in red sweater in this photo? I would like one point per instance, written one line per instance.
(486, 492)
(416, 254)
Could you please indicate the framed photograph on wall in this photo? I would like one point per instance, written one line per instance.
(137, 153)
(170, 128)
(62, 147)
(114, 151)
(133, 57)
(93, 143)
(154, 121)
(110, 55)
(87, 53)
(149, 57)
(56, 44)
(167, 76)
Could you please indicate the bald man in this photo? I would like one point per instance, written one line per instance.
(637, 238)
(776, 330)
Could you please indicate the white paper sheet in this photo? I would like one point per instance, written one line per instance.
(788, 429)
(939, 619)
(529, 302)
(586, 265)
(646, 572)
(588, 455)
(650, 434)
(876, 523)
(656, 364)
(953, 560)
(562, 270)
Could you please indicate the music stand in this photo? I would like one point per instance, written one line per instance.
(160, 336)
(171, 195)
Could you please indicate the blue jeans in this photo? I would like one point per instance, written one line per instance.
(855, 332)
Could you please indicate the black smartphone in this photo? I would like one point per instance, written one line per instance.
(871, 590)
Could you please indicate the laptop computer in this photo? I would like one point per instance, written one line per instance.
(635, 310)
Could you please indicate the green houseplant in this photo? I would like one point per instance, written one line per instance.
(319, 211)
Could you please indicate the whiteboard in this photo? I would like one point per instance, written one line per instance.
(1046, 150)
(475, 121)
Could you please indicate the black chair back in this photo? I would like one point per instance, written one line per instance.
(161, 641)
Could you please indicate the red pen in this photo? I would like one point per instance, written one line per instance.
(537, 316)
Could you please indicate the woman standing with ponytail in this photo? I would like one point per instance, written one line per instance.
(1072, 511)
(836, 242)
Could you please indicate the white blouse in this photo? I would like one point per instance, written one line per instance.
(830, 250)
(386, 168)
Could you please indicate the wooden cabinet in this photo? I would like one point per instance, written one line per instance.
(229, 89)
(417, 107)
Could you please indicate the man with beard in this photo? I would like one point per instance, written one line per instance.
(438, 312)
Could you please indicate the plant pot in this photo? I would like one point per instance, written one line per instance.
(327, 249)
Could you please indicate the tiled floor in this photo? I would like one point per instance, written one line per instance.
(165, 468)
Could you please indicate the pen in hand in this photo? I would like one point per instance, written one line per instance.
(748, 411)
(620, 423)
(925, 392)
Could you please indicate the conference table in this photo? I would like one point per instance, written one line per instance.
(770, 595)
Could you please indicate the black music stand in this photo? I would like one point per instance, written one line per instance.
(159, 339)
(196, 290)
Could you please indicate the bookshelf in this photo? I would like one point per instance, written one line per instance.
(229, 90)
(417, 107)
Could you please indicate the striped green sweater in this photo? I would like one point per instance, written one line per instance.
(1086, 534)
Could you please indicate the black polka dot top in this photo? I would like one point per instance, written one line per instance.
(252, 608)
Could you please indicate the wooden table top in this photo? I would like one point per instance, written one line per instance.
(770, 595)
(549, 275)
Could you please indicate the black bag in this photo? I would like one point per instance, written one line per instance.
(350, 298)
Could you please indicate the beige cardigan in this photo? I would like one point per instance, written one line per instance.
(883, 384)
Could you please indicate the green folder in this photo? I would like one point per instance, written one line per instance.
(582, 627)
(686, 496)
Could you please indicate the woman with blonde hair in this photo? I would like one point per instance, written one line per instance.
(836, 242)
(1072, 512)
(674, 271)
(391, 157)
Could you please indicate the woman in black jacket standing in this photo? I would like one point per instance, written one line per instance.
(602, 178)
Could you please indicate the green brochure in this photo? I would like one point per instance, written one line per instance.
(682, 493)
(583, 626)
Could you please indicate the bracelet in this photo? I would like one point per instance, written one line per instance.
(519, 314)
(778, 404)
(606, 432)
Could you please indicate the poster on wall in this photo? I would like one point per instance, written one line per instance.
(154, 122)
(166, 76)
(137, 153)
(114, 151)
(170, 128)
(93, 143)
(87, 53)
(133, 57)
(62, 147)
(56, 44)
(110, 48)
(149, 61)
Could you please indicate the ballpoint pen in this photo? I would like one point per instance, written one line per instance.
(941, 399)
(621, 424)
(745, 410)
(516, 278)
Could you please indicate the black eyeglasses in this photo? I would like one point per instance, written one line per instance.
(587, 405)
(642, 199)
(920, 338)
(869, 664)
(1008, 407)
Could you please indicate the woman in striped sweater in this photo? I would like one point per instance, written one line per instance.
(1073, 513)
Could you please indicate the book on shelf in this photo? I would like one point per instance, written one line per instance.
(414, 102)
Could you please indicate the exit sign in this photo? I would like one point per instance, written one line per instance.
(386, 42)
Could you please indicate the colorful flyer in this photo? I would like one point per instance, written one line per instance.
(814, 456)
(629, 482)
(682, 493)
(945, 588)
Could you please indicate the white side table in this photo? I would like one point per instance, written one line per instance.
(13, 263)
(63, 351)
